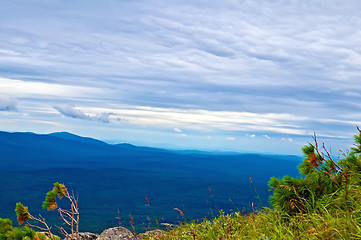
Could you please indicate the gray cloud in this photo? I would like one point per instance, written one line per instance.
(7, 103)
(72, 112)
(298, 57)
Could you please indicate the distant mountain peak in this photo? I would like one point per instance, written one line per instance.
(74, 137)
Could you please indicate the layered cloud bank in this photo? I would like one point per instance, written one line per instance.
(230, 70)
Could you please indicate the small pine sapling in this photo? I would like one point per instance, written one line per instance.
(69, 216)
(23, 216)
(324, 181)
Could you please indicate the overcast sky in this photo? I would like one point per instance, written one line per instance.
(247, 76)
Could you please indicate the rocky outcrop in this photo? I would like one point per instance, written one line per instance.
(85, 236)
(153, 233)
(88, 236)
(116, 233)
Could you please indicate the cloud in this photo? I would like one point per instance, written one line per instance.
(266, 136)
(209, 66)
(251, 135)
(103, 117)
(287, 139)
(209, 121)
(177, 130)
(72, 112)
(39, 90)
(180, 132)
(7, 103)
(231, 138)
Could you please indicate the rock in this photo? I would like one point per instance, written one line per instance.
(116, 233)
(153, 233)
(88, 236)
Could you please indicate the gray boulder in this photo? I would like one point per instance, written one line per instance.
(153, 233)
(88, 236)
(84, 236)
(116, 233)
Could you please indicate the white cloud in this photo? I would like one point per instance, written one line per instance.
(231, 138)
(251, 135)
(352, 93)
(201, 65)
(287, 139)
(205, 121)
(266, 136)
(177, 130)
(180, 132)
(72, 112)
(41, 90)
(7, 103)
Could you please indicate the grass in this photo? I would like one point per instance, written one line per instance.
(271, 224)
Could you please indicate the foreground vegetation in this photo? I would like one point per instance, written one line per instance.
(323, 204)
(271, 224)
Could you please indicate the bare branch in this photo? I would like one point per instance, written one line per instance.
(327, 152)
(36, 226)
(64, 232)
(63, 218)
(358, 129)
(330, 157)
(69, 216)
(316, 147)
(41, 220)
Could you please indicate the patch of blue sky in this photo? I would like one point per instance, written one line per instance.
(278, 69)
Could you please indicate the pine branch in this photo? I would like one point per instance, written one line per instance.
(322, 155)
(330, 157)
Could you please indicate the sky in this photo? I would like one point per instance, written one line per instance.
(246, 76)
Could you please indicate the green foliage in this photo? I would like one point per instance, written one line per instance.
(70, 217)
(269, 224)
(60, 189)
(5, 225)
(289, 195)
(50, 201)
(8, 232)
(357, 146)
(324, 181)
(42, 236)
(22, 213)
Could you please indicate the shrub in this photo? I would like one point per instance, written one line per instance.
(8, 232)
(325, 182)
(69, 216)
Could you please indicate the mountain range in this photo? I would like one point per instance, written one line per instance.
(30, 151)
(111, 177)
